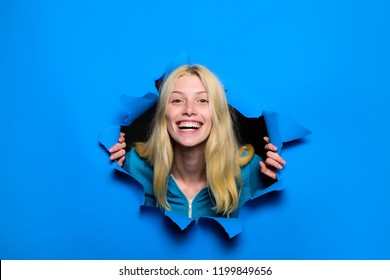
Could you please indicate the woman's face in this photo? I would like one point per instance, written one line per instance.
(188, 112)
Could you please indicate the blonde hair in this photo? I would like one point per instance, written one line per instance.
(223, 158)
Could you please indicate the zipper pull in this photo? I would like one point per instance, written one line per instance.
(190, 208)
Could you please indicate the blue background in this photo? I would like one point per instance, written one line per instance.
(63, 67)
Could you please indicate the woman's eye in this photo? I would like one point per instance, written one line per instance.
(203, 101)
(176, 100)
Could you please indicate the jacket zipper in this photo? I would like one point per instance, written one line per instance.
(189, 208)
(189, 200)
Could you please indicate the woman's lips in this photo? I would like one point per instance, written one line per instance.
(189, 125)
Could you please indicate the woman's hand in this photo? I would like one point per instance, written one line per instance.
(273, 161)
(118, 150)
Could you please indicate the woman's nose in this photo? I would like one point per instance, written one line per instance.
(189, 109)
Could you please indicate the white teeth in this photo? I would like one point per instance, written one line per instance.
(189, 125)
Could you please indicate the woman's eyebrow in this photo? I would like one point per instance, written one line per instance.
(180, 92)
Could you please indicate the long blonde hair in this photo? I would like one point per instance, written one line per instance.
(223, 158)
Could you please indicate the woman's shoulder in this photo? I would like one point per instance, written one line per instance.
(140, 170)
(134, 164)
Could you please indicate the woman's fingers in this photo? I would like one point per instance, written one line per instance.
(276, 157)
(274, 160)
(269, 146)
(121, 138)
(267, 171)
(118, 150)
(273, 163)
(117, 147)
(121, 161)
(118, 154)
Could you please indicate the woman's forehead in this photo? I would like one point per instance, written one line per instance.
(189, 83)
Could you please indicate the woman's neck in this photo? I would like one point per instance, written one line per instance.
(189, 169)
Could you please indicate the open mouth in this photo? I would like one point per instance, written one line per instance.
(189, 125)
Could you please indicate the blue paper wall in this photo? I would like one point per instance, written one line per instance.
(63, 67)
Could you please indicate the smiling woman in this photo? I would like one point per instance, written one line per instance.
(188, 112)
(192, 163)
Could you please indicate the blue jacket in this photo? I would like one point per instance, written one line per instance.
(254, 184)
